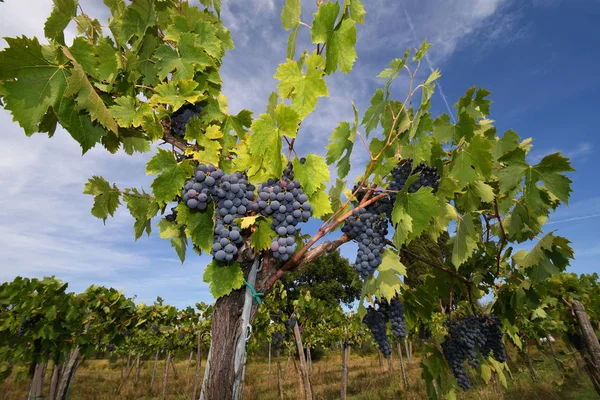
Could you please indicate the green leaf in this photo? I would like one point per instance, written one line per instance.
(549, 171)
(133, 22)
(185, 61)
(287, 120)
(324, 21)
(304, 89)
(247, 222)
(79, 125)
(375, 111)
(413, 212)
(291, 45)
(172, 175)
(177, 236)
(177, 93)
(422, 50)
(210, 147)
(335, 193)
(357, 11)
(263, 235)
(290, 15)
(471, 161)
(528, 259)
(320, 203)
(106, 198)
(140, 205)
(265, 143)
(61, 15)
(223, 279)
(340, 48)
(312, 174)
(86, 97)
(486, 373)
(465, 241)
(199, 225)
(341, 141)
(30, 83)
(272, 103)
(391, 261)
(128, 111)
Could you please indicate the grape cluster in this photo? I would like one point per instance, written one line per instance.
(277, 339)
(172, 216)
(110, 347)
(154, 328)
(181, 117)
(369, 231)
(465, 336)
(235, 197)
(375, 321)
(286, 202)
(394, 312)
(27, 324)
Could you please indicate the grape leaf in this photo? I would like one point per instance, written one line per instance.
(86, 97)
(391, 261)
(177, 93)
(265, 143)
(170, 230)
(509, 142)
(414, 212)
(62, 12)
(312, 174)
(172, 175)
(465, 241)
(210, 147)
(263, 235)
(79, 125)
(133, 22)
(223, 278)
(472, 160)
(304, 89)
(341, 144)
(291, 45)
(247, 222)
(186, 60)
(340, 38)
(106, 198)
(128, 111)
(375, 111)
(30, 83)
(548, 170)
(287, 120)
(357, 11)
(205, 34)
(320, 203)
(199, 225)
(140, 205)
(290, 14)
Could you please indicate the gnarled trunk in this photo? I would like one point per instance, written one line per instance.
(226, 329)
(36, 390)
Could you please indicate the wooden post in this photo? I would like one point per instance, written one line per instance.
(308, 395)
(529, 362)
(591, 346)
(380, 359)
(137, 371)
(187, 369)
(399, 348)
(270, 342)
(408, 350)
(36, 390)
(344, 369)
(154, 370)
(198, 364)
(279, 382)
(54, 381)
(69, 369)
(166, 377)
(173, 365)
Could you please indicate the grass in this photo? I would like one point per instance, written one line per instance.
(99, 379)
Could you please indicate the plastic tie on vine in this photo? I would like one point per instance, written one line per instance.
(255, 295)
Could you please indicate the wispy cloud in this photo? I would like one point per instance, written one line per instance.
(580, 152)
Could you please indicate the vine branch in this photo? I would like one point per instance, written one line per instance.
(502, 239)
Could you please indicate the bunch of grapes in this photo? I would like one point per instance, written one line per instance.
(492, 330)
(277, 339)
(394, 312)
(172, 216)
(465, 336)
(234, 197)
(369, 231)
(198, 192)
(27, 324)
(154, 328)
(286, 202)
(375, 321)
(181, 335)
(110, 347)
(182, 116)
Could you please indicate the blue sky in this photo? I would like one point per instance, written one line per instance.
(539, 58)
